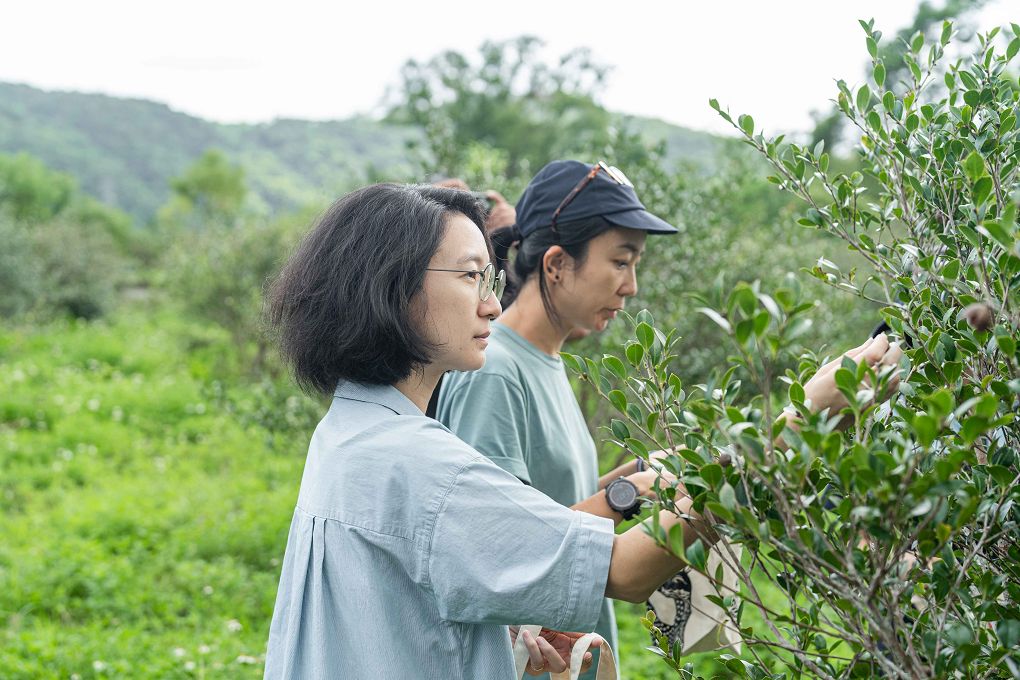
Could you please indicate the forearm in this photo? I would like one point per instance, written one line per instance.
(625, 470)
(639, 566)
(597, 504)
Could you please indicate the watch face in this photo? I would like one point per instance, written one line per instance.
(621, 494)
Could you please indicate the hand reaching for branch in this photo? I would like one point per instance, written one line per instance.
(881, 355)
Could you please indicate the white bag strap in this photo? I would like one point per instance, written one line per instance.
(607, 664)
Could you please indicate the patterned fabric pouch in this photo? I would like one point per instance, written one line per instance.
(684, 613)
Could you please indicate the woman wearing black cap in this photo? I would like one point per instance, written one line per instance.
(579, 236)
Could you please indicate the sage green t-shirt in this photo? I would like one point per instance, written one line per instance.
(520, 411)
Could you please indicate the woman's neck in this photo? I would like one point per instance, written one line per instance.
(528, 318)
(419, 386)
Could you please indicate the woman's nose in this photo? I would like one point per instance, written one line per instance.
(629, 287)
(490, 307)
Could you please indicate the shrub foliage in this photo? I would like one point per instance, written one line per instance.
(894, 542)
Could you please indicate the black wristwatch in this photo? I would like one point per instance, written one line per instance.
(623, 497)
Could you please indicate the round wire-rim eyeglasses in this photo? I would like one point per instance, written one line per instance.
(489, 281)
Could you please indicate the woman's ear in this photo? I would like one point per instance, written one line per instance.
(553, 262)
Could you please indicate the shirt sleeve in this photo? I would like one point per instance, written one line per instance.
(503, 552)
(489, 412)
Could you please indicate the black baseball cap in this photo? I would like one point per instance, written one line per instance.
(604, 197)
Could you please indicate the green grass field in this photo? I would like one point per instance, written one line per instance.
(145, 494)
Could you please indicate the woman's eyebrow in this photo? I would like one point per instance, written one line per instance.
(477, 259)
(631, 248)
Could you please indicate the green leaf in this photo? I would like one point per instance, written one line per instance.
(982, 188)
(637, 446)
(651, 421)
(716, 317)
(1008, 632)
(712, 473)
(797, 394)
(1007, 345)
(770, 304)
(872, 47)
(695, 555)
(743, 296)
(974, 166)
(619, 429)
(719, 510)
(846, 380)
(746, 124)
(572, 362)
(645, 335)
(879, 74)
(973, 428)
(888, 101)
(947, 32)
(863, 98)
(942, 402)
(676, 539)
(994, 230)
(922, 508)
(635, 353)
(1003, 476)
(925, 427)
(728, 497)
(743, 330)
(615, 366)
(1014, 47)
(645, 316)
(619, 400)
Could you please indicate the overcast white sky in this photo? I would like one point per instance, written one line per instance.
(249, 61)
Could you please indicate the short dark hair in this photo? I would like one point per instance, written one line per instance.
(574, 237)
(340, 304)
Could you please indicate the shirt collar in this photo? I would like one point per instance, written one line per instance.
(384, 395)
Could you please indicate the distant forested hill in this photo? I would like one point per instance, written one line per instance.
(125, 151)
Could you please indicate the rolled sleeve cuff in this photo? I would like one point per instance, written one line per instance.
(590, 572)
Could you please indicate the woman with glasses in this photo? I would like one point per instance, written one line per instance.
(409, 551)
(580, 234)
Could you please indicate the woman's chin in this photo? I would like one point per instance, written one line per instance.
(471, 363)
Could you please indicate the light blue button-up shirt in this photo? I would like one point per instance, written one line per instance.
(410, 552)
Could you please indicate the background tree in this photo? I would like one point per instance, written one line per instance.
(210, 191)
(64, 253)
(507, 99)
